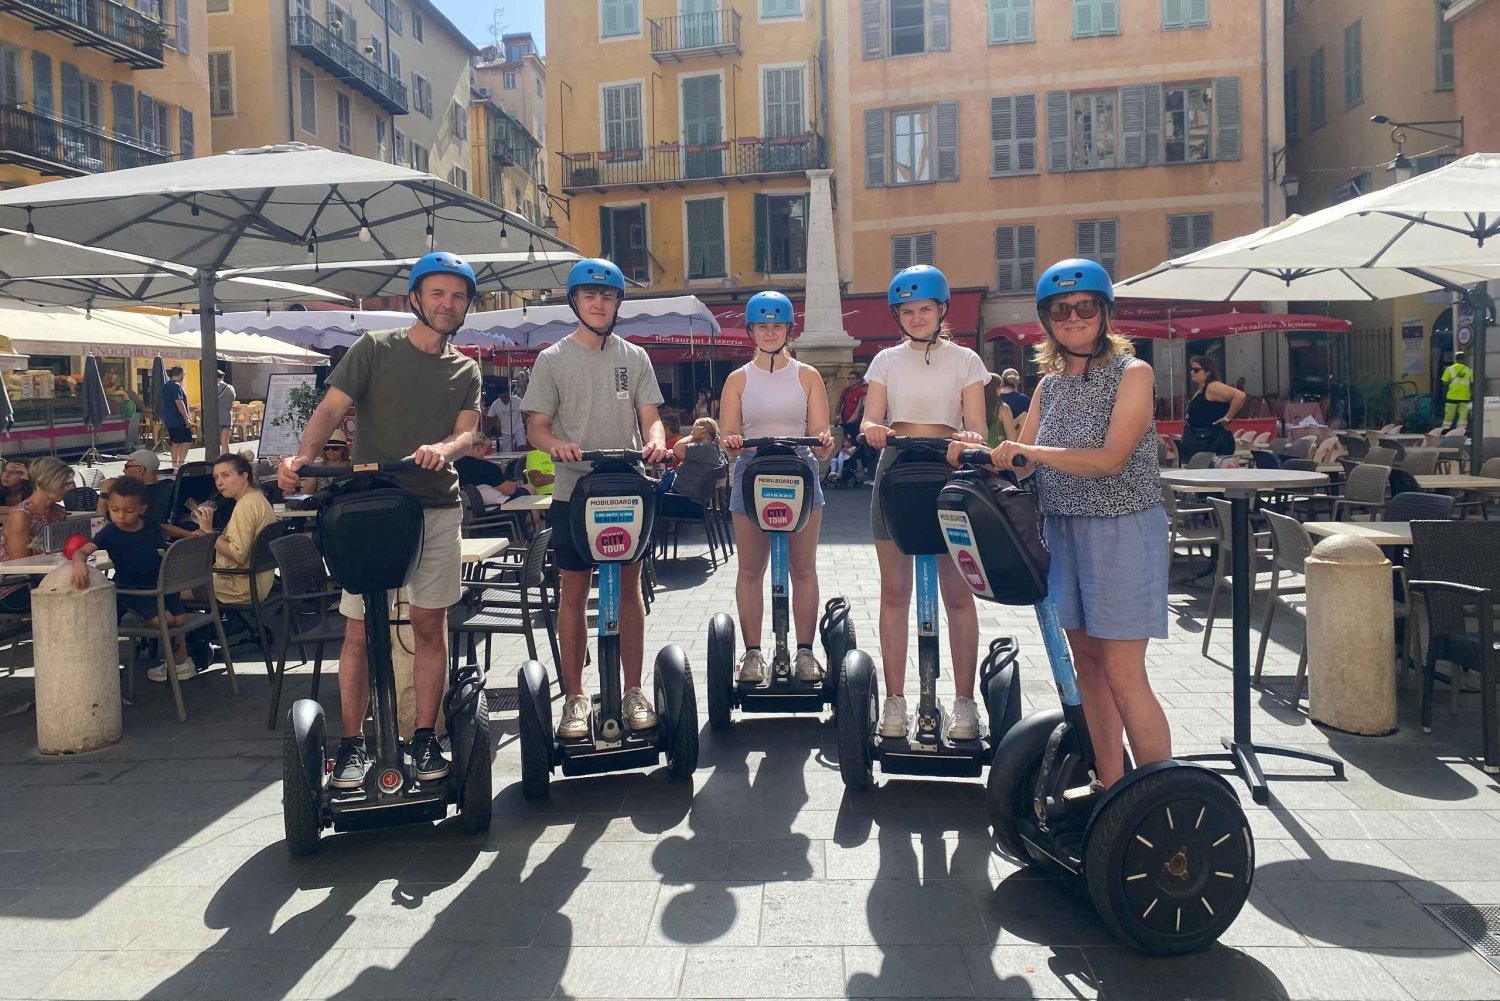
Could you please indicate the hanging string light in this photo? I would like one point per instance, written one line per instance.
(30, 239)
(530, 252)
(364, 224)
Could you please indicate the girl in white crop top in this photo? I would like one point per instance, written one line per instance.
(774, 396)
(927, 387)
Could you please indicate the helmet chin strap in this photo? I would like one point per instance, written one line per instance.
(603, 332)
(928, 341)
(772, 354)
(414, 301)
(1099, 342)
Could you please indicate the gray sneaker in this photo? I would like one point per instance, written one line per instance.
(807, 667)
(637, 710)
(350, 766)
(893, 717)
(964, 723)
(752, 668)
(574, 724)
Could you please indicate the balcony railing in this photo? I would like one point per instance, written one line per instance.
(514, 156)
(51, 145)
(710, 33)
(674, 164)
(125, 33)
(313, 39)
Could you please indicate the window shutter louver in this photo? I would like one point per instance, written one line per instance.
(875, 148)
(1227, 144)
(947, 140)
(1057, 131)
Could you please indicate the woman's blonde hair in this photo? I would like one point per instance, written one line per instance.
(1051, 360)
(707, 425)
(1010, 379)
(52, 475)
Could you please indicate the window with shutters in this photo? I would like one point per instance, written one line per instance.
(705, 238)
(622, 239)
(346, 123)
(510, 79)
(375, 51)
(781, 234)
(460, 121)
(218, 6)
(1317, 110)
(1444, 48)
(1184, 14)
(417, 28)
(911, 146)
(147, 121)
(1289, 90)
(183, 11)
(307, 100)
(780, 8)
(903, 27)
(1015, 260)
(1189, 233)
(782, 88)
(619, 18)
(1092, 133)
(1013, 135)
(221, 83)
(395, 64)
(907, 27)
(1012, 21)
(1098, 240)
(459, 178)
(622, 121)
(1188, 122)
(420, 158)
(12, 83)
(91, 111)
(398, 143)
(910, 249)
(394, 17)
(421, 93)
(1092, 18)
(1354, 66)
(188, 141)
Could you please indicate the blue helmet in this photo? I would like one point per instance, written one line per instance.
(441, 263)
(595, 271)
(1077, 274)
(769, 307)
(921, 281)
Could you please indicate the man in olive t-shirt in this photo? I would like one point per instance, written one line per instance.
(418, 397)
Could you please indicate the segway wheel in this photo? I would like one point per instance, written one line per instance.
(299, 801)
(1170, 859)
(476, 802)
(720, 671)
(677, 704)
(536, 729)
(858, 708)
(1012, 782)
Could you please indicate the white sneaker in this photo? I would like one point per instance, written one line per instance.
(808, 668)
(893, 718)
(575, 718)
(752, 668)
(965, 722)
(185, 672)
(637, 710)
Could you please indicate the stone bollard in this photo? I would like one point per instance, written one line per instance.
(77, 663)
(1351, 636)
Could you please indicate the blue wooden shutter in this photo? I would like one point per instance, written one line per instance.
(1173, 13)
(946, 117)
(72, 93)
(1000, 21)
(938, 26)
(1197, 13)
(1057, 131)
(1021, 20)
(1109, 17)
(1085, 18)
(185, 128)
(1227, 145)
(875, 148)
(872, 28)
(41, 82)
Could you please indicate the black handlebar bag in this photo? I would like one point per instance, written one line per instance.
(372, 533)
(908, 499)
(614, 511)
(779, 488)
(993, 530)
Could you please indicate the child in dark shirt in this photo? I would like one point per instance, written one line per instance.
(134, 543)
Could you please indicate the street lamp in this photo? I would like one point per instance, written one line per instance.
(1400, 168)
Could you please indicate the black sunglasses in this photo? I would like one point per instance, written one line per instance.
(1085, 310)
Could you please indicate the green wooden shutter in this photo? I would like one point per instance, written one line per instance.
(762, 234)
(1227, 144)
(1002, 135)
(1107, 231)
(900, 253)
(1109, 17)
(1197, 13)
(938, 26)
(1173, 13)
(185, 130)
(1153, 133)
(1085, 19)
(1203, 230)
(1005, 259)
(946, 117)
(1000, 22)
(1022, 19)
(872, 28)
(1057, 131)
(1133, 125)
(609, 18)
(1179, 236)
(924, 248)
(1025, 117)
(148, 120)
(875, 148)
(41, 82)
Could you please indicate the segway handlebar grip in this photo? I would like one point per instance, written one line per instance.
(611, 455)
(794, 442)
(907, 441)
(975, 457)
(322, 471)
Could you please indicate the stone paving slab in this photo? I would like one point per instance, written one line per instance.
(155, 868)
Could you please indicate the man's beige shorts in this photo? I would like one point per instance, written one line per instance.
(436, 580)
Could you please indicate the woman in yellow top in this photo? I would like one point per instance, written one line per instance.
(235, 479)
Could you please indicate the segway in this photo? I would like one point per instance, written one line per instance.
(908, 494)
(371, 531)
(613, 509)
(779, 488)
(1165, 855)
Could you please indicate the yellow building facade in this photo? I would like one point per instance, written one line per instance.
(683, 132)
(99, 85)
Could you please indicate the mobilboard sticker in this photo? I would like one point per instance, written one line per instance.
(614, 527)
(959, 534)
(778, 502)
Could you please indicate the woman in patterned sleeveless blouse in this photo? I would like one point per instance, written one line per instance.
(1090, 440)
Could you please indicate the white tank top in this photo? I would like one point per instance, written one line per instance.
(774, 404)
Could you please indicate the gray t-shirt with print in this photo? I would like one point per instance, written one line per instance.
(592, 398)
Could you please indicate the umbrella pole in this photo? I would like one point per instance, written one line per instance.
(208, 365)
(1479, 301)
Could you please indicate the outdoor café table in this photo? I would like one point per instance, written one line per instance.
(541, 502)
(43, 564)
(1382, 533)
(479, 550)
(1457, 481)
(282, 511)
(1240, 485)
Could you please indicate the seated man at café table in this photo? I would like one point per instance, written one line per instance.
(487, 477)
(142, 465)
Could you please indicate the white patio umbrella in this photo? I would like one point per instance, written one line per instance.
(276, 205)
(539, 326)
(507, 272)
(323, 329)
(154, 288)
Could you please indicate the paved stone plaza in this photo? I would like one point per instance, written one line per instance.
(155, 868)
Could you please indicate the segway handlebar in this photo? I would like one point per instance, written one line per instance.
(321, 471)
(969, 456)
(794, 442)
(612, 455)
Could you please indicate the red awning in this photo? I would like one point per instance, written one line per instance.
(1160, 309)
(1229, 324)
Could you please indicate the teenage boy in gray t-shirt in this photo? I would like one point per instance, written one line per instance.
(594, 390)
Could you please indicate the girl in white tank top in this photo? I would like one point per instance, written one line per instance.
(774, 396)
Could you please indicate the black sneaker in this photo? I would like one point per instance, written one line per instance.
(427, 755)
(350, 766)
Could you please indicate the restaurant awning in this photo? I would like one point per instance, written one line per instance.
(118, 333)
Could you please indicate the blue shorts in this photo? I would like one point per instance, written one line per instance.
(1109, 575)
(737, 493)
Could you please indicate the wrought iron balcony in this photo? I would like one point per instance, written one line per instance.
(675, 165)
(53, 146)
(313, 39)
(710, 33)
(506, 155)
(125, 33)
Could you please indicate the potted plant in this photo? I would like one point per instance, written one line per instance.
(584, 176)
